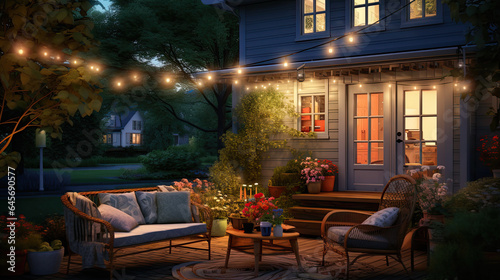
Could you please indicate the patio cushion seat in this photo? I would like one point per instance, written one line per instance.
(361, 240)
(157, 232)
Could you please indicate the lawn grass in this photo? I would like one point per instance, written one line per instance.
(81, 177)
(37, 208)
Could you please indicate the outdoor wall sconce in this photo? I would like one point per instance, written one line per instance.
(301, 73)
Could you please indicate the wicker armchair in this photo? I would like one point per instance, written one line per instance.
(368, 239)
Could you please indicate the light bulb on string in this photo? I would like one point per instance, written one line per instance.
(285, 63)
(209, 77)
(351, 39)
(239, 71)
(21, 51)
(236, 81)
(167, 80)
(434, 87)
(360, 85)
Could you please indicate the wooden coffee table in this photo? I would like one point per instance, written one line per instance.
(258, 245)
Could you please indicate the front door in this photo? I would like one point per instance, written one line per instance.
(370, 149)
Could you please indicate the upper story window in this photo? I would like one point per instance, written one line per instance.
(136, 125)
(422, 9)
(366, 12)
(312, 16)
(422, 12)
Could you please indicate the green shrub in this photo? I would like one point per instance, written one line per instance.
(175, 158)
(283, 178)
(478, 194)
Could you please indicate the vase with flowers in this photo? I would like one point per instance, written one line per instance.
(258, 207)
(221, 206)
(312, 172)
(489, 153)
(329, 171)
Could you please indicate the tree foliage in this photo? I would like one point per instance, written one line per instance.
(484, 32)
(185, 37)
(41, 86)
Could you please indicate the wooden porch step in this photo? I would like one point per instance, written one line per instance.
(314, 213)
(340, 200)
(306, 227)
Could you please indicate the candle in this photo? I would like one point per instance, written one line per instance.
(41, 139)
(256, 184)
(245, 190)
(241, 192)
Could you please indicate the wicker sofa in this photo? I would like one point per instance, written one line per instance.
(93, 230)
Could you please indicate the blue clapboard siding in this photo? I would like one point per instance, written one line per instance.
(270, 30)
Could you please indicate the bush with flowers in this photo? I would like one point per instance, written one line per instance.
(489, 151)
(328, 167)
(257, 207)
(432, 191)
(27, 234)
(197, 188)
(221, 204)
(312, 170)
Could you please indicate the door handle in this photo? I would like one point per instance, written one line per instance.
(399, 140)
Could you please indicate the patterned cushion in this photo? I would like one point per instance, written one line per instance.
(383, 218)
(120, 220)
(173, 207)
(361, 240)
(125, 202)
(147, 202)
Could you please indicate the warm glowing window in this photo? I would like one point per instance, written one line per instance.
(135, 138)
(369, 128)
(422, 9)
(313, 16)
(420, 122)
(312, 113)
(107, 138)
(366, 12)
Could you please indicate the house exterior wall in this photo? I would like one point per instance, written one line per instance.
(268, 30)
(128, 128)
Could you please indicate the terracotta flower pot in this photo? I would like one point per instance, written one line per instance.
(276, 191)
(328, 184)
(237, 222)
(314, 187)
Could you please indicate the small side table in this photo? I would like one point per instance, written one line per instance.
(258, 245)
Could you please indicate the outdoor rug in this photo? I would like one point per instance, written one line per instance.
(241, 267)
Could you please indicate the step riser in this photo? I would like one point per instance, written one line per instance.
(308, 215)
(339, 205)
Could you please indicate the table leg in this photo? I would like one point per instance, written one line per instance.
(256, 248)
(228, 250)
(295, 248)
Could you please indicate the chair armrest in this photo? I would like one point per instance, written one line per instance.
(342, 218)
(107, 226)
(389, 233)
(205, 215)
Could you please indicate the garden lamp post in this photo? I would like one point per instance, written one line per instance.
(41, 142)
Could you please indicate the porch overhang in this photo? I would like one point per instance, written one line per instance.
(377, 60)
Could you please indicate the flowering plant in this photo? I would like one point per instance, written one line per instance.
(26, 233)
(489, 149)
(220, 204)
(312, 170)
(328, 168)
(275, 218)
(256, 208)
(431, 190)
(197, 188)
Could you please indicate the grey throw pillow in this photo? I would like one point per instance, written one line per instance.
(126, 202)
(120, 220)
(383, 218)
(174, 207)
(147, 202)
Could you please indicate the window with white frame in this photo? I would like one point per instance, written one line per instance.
(313, 113)
(421, 12)
(313, 16)
(136, 125)
(365, 12)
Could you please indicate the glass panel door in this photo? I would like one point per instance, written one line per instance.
(369, 128)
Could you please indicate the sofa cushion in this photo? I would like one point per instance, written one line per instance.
(362, 240)
(125, 202)
(156, 232)
(120, 220)
(147, 202)
(173, 207)
(164, 188)
(383, 218)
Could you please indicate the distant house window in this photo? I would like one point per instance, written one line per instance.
(422, 9)
(366, 12)
(107, 138)
(176, 140)
(134, 138)
(422, 12)
(314, 16)
(112, 121)
(313, 113)
(136, 125)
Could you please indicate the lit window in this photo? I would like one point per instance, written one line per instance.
(422, 9)
(313, 16)
(135, 138)
(312, 112)
(366, 12)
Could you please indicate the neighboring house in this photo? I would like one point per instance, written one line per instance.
(124, 130)
(376, 98)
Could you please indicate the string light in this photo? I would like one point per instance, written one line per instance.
(434, 87)
(167, 80)
(456, 85)
(465, 87)
(97, 69)
(351, 39)
(209, 77)
(414, 87)
(360, 85)
(45, 54)
(330, 50)
(334, 81)
(21, 51)
(75, 62)
(285, 64)
(236, 81)
(119, 84)
(239, 71)
(58, 57)
(390, 85)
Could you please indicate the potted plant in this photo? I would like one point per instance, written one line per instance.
(312, 173)
(329, 170)
(257, 207)
(46, 258)
(489, 153)
(276, 219)
(221, 205)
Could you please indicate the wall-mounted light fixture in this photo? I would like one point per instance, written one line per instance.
(301, 73)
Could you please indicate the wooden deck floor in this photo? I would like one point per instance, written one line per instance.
(158, 264)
